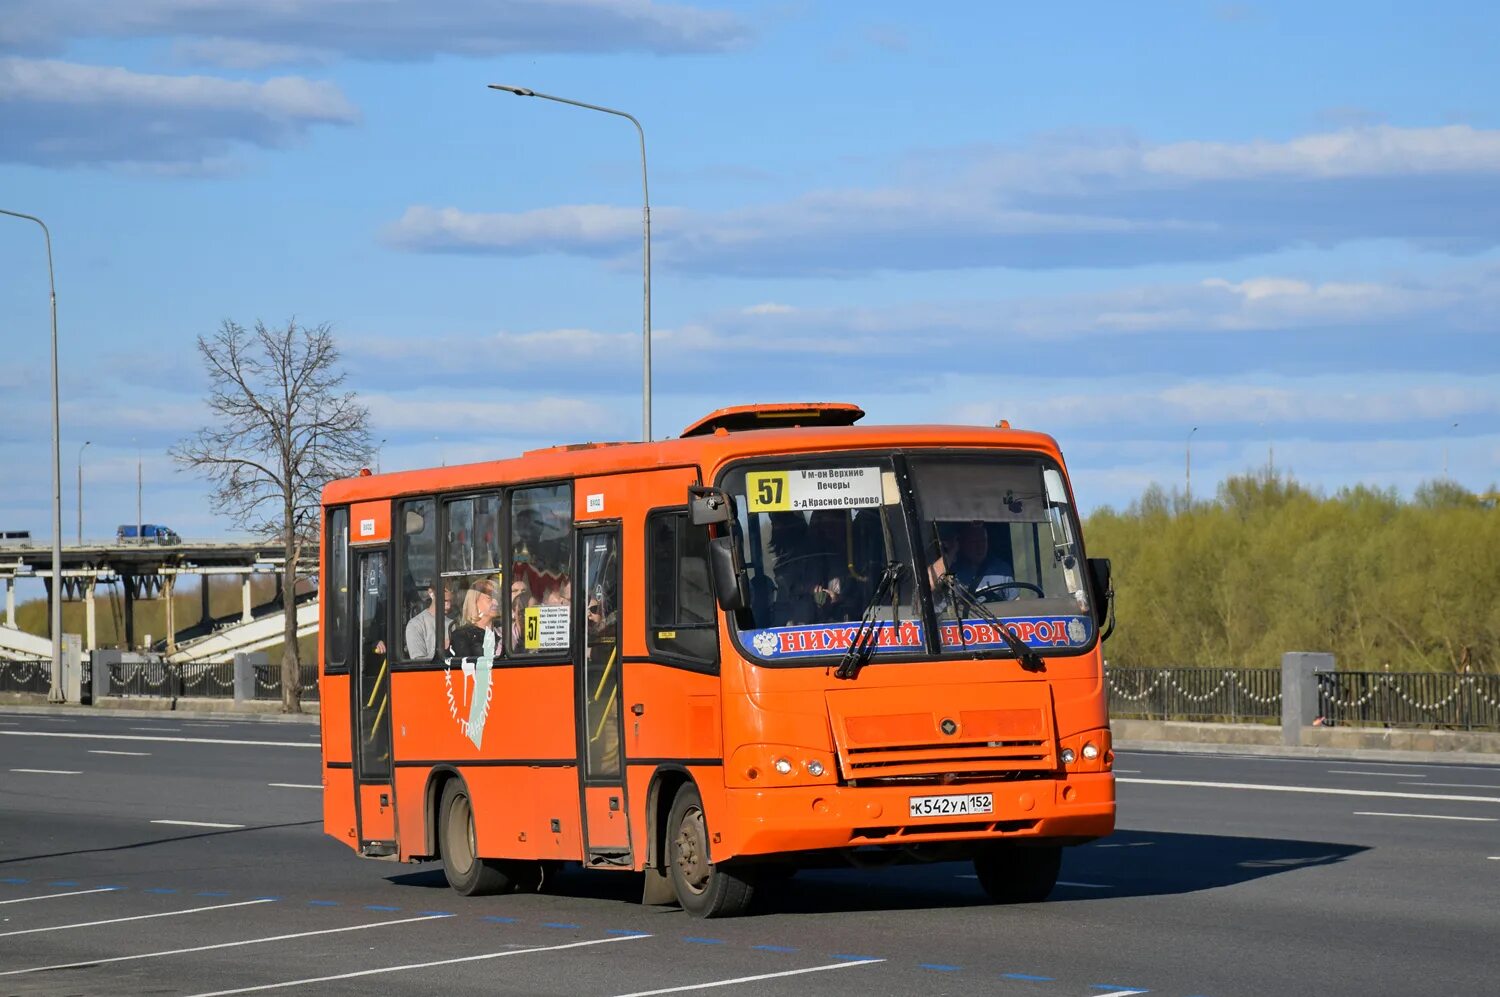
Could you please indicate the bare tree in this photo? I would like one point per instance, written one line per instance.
(282, 428)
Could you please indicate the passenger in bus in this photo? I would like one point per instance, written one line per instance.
(520, 600)
(481, 609)
(422, 629)
(809, 568)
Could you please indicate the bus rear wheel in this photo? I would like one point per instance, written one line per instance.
(465, 870)
(1018, 874)
(703, 888)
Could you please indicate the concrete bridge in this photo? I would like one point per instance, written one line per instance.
(148, 570)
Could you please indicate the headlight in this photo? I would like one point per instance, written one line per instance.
(1090, 751)
(814, 768)
(1067, 756)
(784, 766)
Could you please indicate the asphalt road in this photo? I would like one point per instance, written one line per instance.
(1230, 875)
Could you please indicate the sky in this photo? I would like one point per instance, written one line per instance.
(1278, 223)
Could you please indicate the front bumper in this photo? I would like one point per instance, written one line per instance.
(809, 818)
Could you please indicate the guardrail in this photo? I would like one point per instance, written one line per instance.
(1230, 695)
(26, 676)
(1410, 699)
(1435, 700)
(157, 679)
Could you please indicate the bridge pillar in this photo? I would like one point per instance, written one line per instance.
(127, 585)
(90, 616)
(10, 602)
(245, 615)
(1299, 691)
(168, 592)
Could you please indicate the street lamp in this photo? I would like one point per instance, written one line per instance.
(80, 490)
(1189, 448)
(54, 690)
(378, 448)
(645, 241)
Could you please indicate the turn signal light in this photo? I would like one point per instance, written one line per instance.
(785, 766)
(1090, 751)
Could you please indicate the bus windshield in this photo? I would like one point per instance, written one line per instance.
(1003, 529)
(816, 534)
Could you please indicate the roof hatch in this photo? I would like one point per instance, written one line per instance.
(739, 418)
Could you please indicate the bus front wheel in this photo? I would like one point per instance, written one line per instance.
(703, 888)
(465, 870)
(1018, 874)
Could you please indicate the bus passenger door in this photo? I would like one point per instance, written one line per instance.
(600, 730)
(375, 810)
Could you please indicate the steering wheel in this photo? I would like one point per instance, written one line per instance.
(997, 586)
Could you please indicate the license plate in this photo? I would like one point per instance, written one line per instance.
(951, 806)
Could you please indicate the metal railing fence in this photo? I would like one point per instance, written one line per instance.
(1410, 699)
(26, 676)
(1214, 694)
(212, 680)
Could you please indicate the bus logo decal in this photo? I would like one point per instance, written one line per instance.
(474, 690)
(803, 641)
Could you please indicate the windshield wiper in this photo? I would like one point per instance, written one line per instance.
(862, 645)
(962, 597)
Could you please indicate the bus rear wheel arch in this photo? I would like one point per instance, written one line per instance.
(703, 888)
(465, 870)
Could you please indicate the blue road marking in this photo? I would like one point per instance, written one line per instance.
(322, 903)
(854, 958)
(435, 913)
(1028, 976)
(160, 889)
(626, 932)
(64, 882)
(213, 893)
(380, 907)
(14, 880)
(111, 887)
(500, 920)
(703, 941)
(558, 924)
(1119, 986)
(267, 898)
(939, 967)
(774, 948)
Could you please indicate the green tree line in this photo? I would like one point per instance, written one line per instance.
(1269, 566)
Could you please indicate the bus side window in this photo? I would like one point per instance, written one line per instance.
(681, 615)
(541, 569)
(336, 632)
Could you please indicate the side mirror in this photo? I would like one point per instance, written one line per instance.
(709, 506)
(1104, 596)
(730, 583)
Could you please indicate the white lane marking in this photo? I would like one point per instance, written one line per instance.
(1377, 813)
(1126, 771)
(1493, 858)
(1454, 785)
(135, 917)
(159, 730)
(221, 945)
(1316, 790)
(419, 965)
(49, 771)
(847, 964)
(1391, 775)
(10, 723)
(146, 737)
(106, 751)
(196, 823)
(1120, 993)
(1085, 886)
(54, 896)
(294, 785)
(1225, 756)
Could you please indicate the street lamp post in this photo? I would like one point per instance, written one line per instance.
(1189, 456)
(80, 490)
(645, 240)
(54, 690)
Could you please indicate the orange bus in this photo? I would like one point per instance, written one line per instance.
(779, 640)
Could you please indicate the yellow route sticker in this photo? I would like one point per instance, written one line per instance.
(768, 491)
(533, 633)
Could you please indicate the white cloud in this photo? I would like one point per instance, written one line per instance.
(238, 53)
(379, 29)
(63, 113)
(1056, 203)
